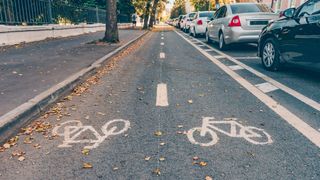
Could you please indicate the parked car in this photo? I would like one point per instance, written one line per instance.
(186, 23)
(294, 38)
(199, 23)
(239, 23)
(183, 22)
(179, 21)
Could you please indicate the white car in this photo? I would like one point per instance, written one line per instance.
(187, 21)
(199, 23)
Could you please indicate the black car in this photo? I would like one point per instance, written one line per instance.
(294, 38)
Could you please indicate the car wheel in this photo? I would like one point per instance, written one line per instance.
(207, 37)
(222, 44)
(195, 33)
(270, 56)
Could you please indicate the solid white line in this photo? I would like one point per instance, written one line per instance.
(218, 57)
(162, 43)
(247, 58)
(312, 134)
(207, 50)
(279, 85)
(162, 95)
(266, 87)
(235, 67)
(162, 55)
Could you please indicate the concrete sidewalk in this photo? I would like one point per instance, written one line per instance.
(28, 70)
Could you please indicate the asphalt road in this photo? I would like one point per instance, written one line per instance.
(29, 69)
(164, 88)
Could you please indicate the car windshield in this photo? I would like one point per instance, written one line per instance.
(191, 15)
(206, 14)
(249, 8)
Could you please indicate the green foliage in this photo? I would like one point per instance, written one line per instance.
(178, 8)
(200, 5)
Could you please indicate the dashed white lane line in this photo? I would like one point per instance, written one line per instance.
(162, 44)
(266, 87)
(162, 55)
(310, 133)
(162, 95)
(236, 67)
(162, 37)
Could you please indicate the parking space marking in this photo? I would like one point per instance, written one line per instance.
(162, 95)
(208, 50)
(201, 45)
(218, 57)
(310, 133)
(266, 87)
(236, 67)
(247, 58)
(162, 55)
(299, 96)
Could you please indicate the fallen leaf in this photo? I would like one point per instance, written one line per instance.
(147, 158)
(37, 146)
(162, 158)
(201, 95)
(180, 126)
(202, 163)
(190, 101)
(87, 117)
(102, 114)
(158, 133)
(162, 144)
(6, 146)
(208, 178)
(115, 168)
(85, 151)
(87, 165)
(2, 149)
(157, 171)
(21, 158)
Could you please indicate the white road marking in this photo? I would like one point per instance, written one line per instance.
(162, 37)
(72, 130)
(162, 95)
(310, 133)
(201, 45)
(162, 44)
(230, 127)
(218, 57)
(266, 87)
(208, 50)
(236, 67)
(247, 58)
(162, 55)
(301, 97)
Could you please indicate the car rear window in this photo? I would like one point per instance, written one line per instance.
(206, 14)
(249, 8)
(191, 15)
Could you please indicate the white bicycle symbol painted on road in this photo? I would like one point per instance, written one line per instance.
(211, 126)
(71, 131)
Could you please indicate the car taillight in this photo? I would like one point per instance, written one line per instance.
(235, 21)
(199, 22)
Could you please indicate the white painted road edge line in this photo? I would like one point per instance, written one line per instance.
(279, 85)
(162, 55)
(312, 134)
(162, 95)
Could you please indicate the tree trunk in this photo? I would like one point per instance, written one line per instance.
(111, 34)
(153, 13)
(146, 15)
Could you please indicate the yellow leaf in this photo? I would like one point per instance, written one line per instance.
(21, 158)
(162, 158)
(85, 151)
(202, 163)
(6, 145)
(157, 171)
(147, 158)
(158, 133)
(190, 101)
(87, 165)
(208, 178)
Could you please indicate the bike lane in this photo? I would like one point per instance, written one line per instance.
(155, 142)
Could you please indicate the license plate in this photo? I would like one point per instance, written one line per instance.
(257, 23)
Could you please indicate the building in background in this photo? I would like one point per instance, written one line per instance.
(280, 5)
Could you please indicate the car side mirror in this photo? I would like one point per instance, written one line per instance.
(289, 13)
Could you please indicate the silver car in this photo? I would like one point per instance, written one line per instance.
(239, 23)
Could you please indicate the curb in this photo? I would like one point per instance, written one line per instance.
(11, 122)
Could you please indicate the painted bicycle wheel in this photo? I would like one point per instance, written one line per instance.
(213, 136)
(115, 127)
(255, 135)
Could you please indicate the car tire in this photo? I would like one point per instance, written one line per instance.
(222, 44)
(270, 55)
(208, 38)
(195, 33)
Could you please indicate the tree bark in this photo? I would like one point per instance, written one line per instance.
(153, 13)
(111, 34)
(146, 15)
